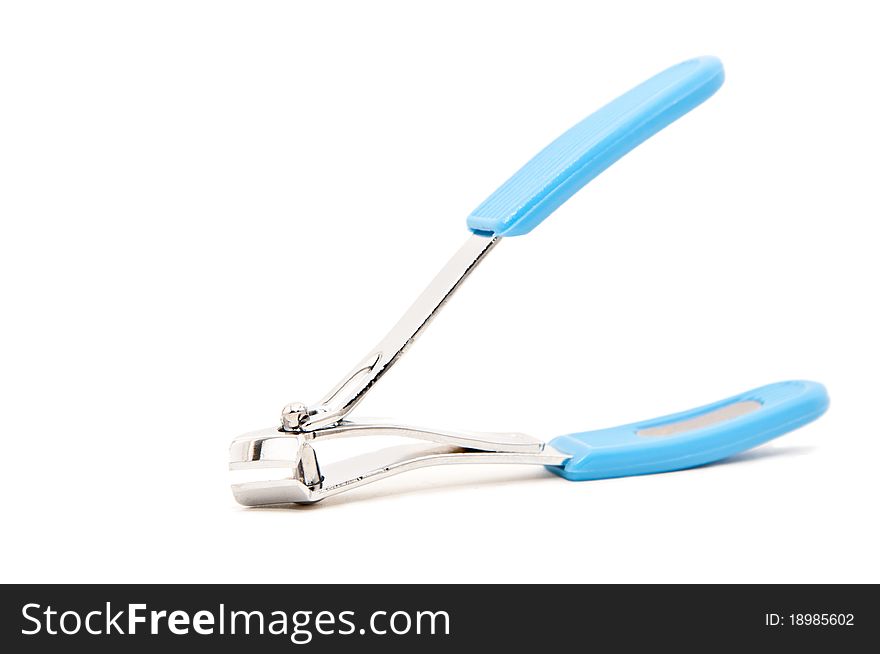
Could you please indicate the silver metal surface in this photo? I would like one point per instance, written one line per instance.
(728, 412)
(352, 388)
(285, 459)
(279, 455)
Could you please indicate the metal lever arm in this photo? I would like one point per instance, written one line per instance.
(352, 388)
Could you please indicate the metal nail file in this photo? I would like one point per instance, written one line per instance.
(285, 458)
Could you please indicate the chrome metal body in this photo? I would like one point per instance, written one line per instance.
(285, 457)
(352, 388)
(292, 474)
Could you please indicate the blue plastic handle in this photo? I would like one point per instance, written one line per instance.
(694, 437)
(562, 168)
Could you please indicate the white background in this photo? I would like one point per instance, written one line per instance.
(210, 209)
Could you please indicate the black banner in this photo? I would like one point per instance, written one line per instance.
(433, 618)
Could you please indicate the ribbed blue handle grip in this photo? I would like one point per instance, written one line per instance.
(566, 165)
(694, 437)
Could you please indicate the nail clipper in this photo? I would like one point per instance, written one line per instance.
(286, 457)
